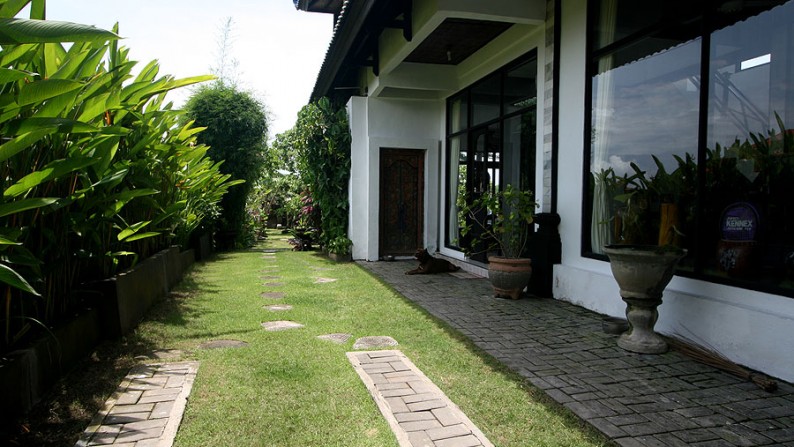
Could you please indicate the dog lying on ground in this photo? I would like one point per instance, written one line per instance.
(428, 264)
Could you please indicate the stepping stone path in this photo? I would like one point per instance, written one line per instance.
(272, 295)
(273, 284)
(336, 338)
(278, 307)
(218, 344)
(417, 411)
(378, 341)
(324, 280)
(265, 278)
(146, 408)
(280, 325)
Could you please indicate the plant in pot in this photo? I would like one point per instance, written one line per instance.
(339, 249)
(499, 222)
(643, 270)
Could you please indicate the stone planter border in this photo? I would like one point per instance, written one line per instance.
(119, 304)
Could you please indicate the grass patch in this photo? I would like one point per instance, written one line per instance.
(290, 388)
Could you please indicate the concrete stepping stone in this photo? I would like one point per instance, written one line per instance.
(324, 280)
(338, 338)
(278, 307)
(418, 412)
(372, 342)
(266, 277)
(280, 325)
(273, 284)
(272, 295)
(220, 344)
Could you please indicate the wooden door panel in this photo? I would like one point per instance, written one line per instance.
(401, 201)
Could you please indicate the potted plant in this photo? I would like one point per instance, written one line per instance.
(339, 249)
(503, 219)
(644, 263)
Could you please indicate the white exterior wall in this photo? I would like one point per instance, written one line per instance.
(390, 123)
(751, 328)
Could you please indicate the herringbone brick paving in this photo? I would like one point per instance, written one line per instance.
(637, 400)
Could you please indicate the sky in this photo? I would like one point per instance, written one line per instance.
(279, 49)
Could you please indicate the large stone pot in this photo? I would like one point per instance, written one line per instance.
(642, 272)
(509, 276)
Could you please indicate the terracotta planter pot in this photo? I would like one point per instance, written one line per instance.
(642, 272)
(509, 276)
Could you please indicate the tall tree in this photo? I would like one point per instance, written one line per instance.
(236, 132)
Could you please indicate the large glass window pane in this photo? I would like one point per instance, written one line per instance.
(520, 87)
(750, 150)
(485, 99)
(519, 149)
(458, 168)
(644, 138)
(618, 19)
(458, 114)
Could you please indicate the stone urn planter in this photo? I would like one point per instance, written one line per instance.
(509, 276)
(642, 272)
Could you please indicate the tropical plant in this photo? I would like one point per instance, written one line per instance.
(503, 219)
(322, 139)
(96, 171)
(339, 245)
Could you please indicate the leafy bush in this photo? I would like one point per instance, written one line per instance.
(323, 144)
(236, 132)
(96, 169)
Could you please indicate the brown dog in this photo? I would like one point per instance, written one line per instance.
(428, 264)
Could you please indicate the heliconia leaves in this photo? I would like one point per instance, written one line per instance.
(132, 229)
(25, 205)
(22, 142)
(45, 89)
(18, 31)
(62, 125)
(10, 75)
(12, 278)
(52, 170)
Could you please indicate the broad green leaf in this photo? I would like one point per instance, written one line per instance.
(10, 75)
(141, 236)
(45, 89)
(54, 56)
(22, 142)
(52, 170)
(25, 204)
(17, 31)
(10, 8)
(12, 278)
(61, 125)
(132, 229)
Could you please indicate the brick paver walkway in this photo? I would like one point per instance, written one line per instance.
(145, 410)
(637, 400)
(419, 413)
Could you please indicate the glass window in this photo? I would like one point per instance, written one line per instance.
(485, 100)
(750, 151)
(458, 115)
(650, 137)
(495, 144)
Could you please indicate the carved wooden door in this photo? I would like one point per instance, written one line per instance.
(401, 201)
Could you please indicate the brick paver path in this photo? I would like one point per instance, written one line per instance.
(637, 400)
(419, 413)
(146, 409)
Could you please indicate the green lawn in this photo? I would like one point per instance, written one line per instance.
(290, 388)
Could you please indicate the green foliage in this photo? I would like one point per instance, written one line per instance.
(503, 217)
(236, 132)
(339, 245)
(322, 139)
(95, 169)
